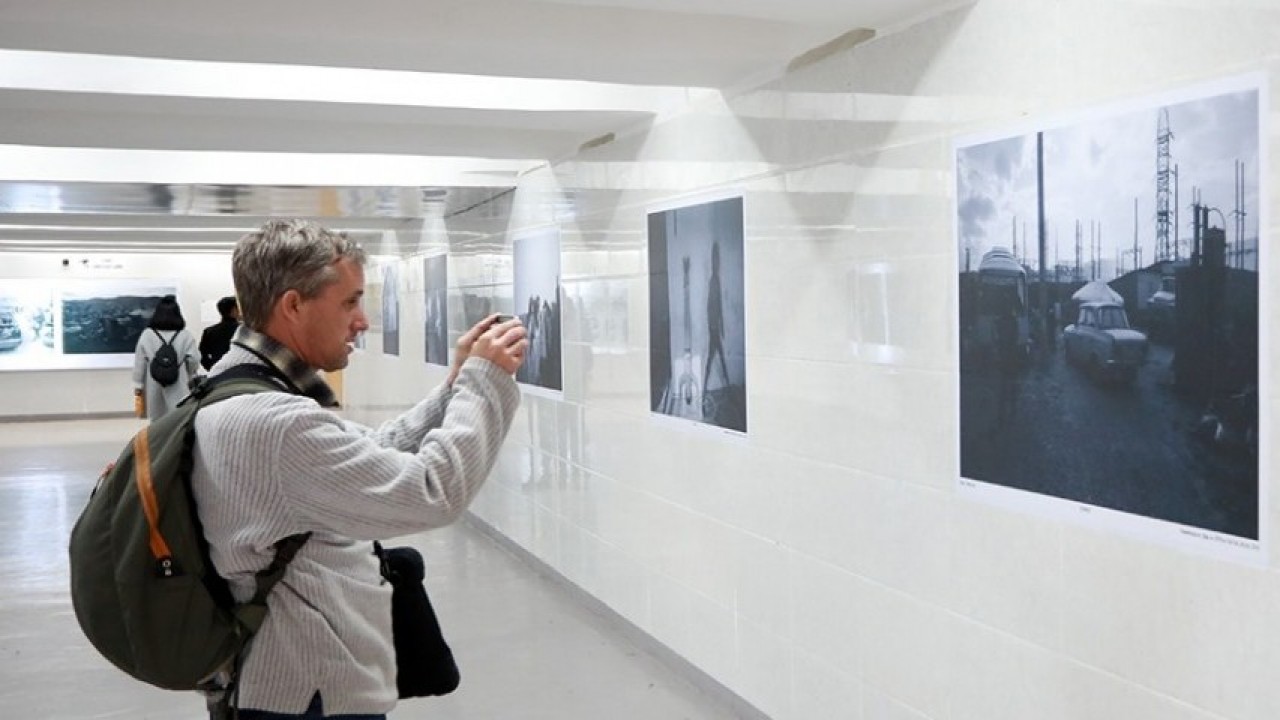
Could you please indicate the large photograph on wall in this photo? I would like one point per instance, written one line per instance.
(60, 324)
(697, 318)
(27, 324)
(1108, 317)
(536, 297)
(435, 275)
(391, 309)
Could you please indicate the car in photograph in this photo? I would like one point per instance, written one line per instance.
(10, 333)
(1102, 342)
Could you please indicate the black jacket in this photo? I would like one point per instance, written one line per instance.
(216, 340)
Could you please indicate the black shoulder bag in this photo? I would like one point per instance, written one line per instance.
(424, 662)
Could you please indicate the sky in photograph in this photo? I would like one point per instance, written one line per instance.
(537, 267)
(1094, 170)
(109, 289)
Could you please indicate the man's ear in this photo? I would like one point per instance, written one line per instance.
(290, 305)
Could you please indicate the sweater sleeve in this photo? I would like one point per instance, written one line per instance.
(406, 432)
(339, 477)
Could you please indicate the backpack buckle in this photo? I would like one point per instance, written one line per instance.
(167, 568)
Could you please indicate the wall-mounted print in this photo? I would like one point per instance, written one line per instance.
(61, 324)
(536, 298)
(391, 309)
(697, 315)
(106, 317)
(28, 339)
(1108, 324)
(436, 309)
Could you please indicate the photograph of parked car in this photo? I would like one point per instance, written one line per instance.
(1102, 342)
(10, 331)
(1108, 331)
(26, 320)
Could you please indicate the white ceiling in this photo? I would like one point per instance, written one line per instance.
(649, 53)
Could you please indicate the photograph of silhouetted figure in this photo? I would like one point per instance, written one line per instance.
(715, 322)
(436, 309)
(536, 298)
(697, 317)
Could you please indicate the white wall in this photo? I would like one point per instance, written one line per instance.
(200, 278)
(826, 567)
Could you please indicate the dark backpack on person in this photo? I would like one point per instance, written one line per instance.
(143, 587)
(164, 366)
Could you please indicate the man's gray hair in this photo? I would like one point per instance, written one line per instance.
(286, 255)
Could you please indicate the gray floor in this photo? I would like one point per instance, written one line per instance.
(527, 647)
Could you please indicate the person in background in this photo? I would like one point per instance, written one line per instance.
(151, 399)
(215, 341)
(274, 464)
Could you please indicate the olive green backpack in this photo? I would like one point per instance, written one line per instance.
(144, 589)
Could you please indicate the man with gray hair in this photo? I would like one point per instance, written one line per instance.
(276, 464)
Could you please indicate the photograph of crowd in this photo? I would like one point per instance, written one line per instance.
(436, 309)
(536, 297)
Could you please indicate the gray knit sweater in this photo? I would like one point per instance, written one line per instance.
(273, 464)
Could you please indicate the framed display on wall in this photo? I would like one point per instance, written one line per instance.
(536, 299)
(1109, 300)
(62, 324)
(435, 314)
(391, 308)
(697, 313)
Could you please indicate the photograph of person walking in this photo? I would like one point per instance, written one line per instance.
(697, 368)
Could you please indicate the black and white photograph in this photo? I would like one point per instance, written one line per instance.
(107, 317)
(697, 316)
(435, 298)
(27, 325)
(536, 299)
(477, 303)
(391, 309)
(1108, 316)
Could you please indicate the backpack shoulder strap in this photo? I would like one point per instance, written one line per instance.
(253, 612)
(245, 379)
(239, 380)
(163, 342)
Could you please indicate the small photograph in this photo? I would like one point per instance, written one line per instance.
(107, 317)
(390, 309)
(27, 338)
(436, 309)
(1109, 315)
(697, 316)
(536, 298)
(372, 300)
